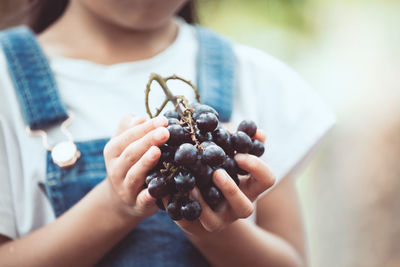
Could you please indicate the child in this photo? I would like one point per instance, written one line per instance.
(93, 59)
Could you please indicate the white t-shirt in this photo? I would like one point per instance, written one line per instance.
(269, 92)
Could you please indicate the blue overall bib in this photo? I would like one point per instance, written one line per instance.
(157, 241)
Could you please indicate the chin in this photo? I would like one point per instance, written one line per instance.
(135, 14)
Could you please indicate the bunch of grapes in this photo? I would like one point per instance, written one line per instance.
(197, 146)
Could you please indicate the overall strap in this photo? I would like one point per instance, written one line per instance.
(32, 78)
(216, 72)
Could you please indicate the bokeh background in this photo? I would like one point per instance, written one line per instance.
(349, 51)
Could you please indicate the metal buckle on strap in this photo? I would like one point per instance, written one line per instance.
(65, 153)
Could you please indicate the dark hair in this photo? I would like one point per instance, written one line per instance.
(42, 13)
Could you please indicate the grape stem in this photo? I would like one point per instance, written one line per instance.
(169, 96)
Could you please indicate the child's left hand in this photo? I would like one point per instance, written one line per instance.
(239, 200)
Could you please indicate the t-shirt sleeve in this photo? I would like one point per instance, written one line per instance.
(293, 115)
(7, 216)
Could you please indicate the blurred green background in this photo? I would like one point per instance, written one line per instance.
(349, 51)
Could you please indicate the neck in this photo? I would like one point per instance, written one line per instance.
(91, 38)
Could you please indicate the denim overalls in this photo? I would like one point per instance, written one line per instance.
(157, 241)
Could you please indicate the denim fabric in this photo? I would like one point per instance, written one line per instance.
(157, 241)
(216, 72)
(33, 80)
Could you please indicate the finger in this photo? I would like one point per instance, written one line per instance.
(135, 150)
(146, 201)
(208, 218)
(260, 136)
(136, 175)
(127, 122)
(190, 227)
(238, 201)
(261, 178)
(116, 145)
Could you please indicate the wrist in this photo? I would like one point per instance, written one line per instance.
(113, 208)
(213, 237)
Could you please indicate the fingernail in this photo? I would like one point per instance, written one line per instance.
(221, 176)
(160, 121)
(240, 157)
(152, 152)
(160, 134)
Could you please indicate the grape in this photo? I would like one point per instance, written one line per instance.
(203, 174)
(186, 155)
(191, 210)
(200, 109)
(213, 155)
(249, 127)
(202, 137)
(212, 196)
(174, 209)
(172, 121)
(241, 142)
(197, 146)
(207, 122)
(167, 153)
(207, 143)
(172, 114)
(176, 135)
(230, 166)
(257, 149)
(184, 182)
(151, 176)
(158, 187)
(222, 138)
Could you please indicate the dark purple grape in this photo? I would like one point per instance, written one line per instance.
(207, 143)
(176, 135)
(191, 210)
(207, 122)
(249, 127)
(151, 176)
(172, 114)
(158, 187)
(167, 153)
(184, 181)
(160, 204)
(257, 149)
(212, 196)
(213, 155)
(200, 109)
(186, 154)
(203, 174)
(230, 166)
(241, 142)
(222, 138)
(172, 121)
(174, 209)
(202, 137)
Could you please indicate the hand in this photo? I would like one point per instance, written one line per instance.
(239, 200)
(129, 155)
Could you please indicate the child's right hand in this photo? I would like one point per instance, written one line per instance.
(129, 155)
